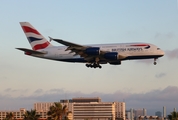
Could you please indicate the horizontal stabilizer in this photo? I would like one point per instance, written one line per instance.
(28, 51)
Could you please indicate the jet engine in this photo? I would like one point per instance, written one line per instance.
(111, 56)
(93, 51)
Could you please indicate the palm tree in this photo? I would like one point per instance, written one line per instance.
(9, 116)
(170, 117)
(57, 112)
(31, 115)
(174, 115)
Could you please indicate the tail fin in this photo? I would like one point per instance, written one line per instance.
(36, 40)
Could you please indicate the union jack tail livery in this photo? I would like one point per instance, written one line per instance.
(36, 40)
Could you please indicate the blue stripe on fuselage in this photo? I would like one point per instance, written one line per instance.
(142, 57)
(82, 60)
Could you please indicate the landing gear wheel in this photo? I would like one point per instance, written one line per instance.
(87, 65)
(93, 65)
(155, 61)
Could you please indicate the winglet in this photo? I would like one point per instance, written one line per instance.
(50, 38)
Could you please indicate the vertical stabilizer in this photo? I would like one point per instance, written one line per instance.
(36, 40)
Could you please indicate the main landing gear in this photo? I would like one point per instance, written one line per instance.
(94, 65)
(155, 61)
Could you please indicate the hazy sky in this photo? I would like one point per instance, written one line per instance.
(25, 80)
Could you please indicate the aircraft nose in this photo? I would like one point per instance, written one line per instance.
(162, 53)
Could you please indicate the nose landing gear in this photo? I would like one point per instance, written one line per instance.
(155, 61)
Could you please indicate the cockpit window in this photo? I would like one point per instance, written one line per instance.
(158, 48)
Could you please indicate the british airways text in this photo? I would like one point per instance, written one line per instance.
(126, 49)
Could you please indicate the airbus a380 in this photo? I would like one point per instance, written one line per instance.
(92, 55)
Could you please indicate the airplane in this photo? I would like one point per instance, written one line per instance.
(92, 55)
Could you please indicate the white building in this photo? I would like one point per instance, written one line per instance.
(139, 112)
(131, 114)
(128, 115)
(164, 111)
(144, 112)
(42, 106)
(120, 110)
(94, 111)
(18, 114)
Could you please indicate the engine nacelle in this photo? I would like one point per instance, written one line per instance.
(111, 56)
(93, 51)
(115, 63)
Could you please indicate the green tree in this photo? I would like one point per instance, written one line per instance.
(31, 115)
(170, 117)
(57, 112)
(173, 116)
(9, 116)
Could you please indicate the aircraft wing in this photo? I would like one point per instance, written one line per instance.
(28, 51)
(66, 43)
(81, 50)
(76, 48)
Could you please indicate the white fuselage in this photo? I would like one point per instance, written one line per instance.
(130, 51)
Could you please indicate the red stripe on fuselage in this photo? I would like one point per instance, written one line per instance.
(27, 29)
(140, 45)
(41, 46)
